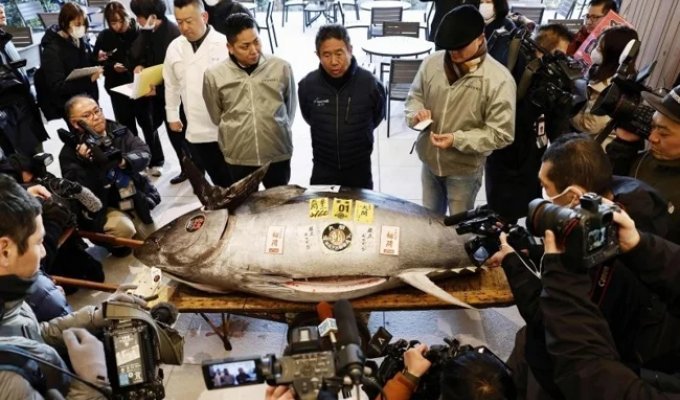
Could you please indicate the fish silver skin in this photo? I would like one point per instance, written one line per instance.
(270, 245)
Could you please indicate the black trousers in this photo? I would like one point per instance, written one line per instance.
(209, 157)
(178, 140)
(358, 176)
(124, 110)
(278, 173)
(143, 110)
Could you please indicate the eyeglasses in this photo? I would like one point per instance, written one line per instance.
(96, 112)
(592, 17)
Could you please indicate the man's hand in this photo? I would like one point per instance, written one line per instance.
(86, 353)
(442, 140)
(550, 244)
(629, 237)
(421, 115)
(415, 361)
(121, 296)
(138, 69)
(120, 68)
(496, 260)
(279, 393)
(152, 91)
(84, 151)
(122, 164)
(176, 126)
(102, 56)
(95, 75)
(39, 191)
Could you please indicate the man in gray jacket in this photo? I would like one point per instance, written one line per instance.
(252, 99)
(471, 100)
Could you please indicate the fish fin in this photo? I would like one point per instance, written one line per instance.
(419, 280)
(218, 197)
(200, 286)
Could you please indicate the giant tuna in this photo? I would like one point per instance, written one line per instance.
(309, 245)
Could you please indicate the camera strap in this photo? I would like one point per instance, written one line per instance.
(527, 76)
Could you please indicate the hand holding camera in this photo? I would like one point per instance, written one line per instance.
(415, 362)
(86, 353)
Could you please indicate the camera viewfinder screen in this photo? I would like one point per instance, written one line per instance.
(481, 255)
(128, 359)
(597, 238)
(235, 373)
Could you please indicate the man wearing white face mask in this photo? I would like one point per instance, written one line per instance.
(64, 48)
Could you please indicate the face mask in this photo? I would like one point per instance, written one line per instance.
(150, 23)
(77, 32)
(488, 12)
(566, 191)
(596, 56)
(211, 3)
(15, 288)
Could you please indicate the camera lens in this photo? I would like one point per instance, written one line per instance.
(545, 215)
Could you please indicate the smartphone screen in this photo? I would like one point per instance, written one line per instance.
(231, 372)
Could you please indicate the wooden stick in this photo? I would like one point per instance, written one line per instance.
(84, 284)
(102, 237)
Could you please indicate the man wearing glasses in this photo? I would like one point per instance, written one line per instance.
(107, 158)
(597, 9)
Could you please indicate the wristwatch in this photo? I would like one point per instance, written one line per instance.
(410, 377)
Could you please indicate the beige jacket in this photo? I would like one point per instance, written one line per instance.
(585, 121)
(479, 109)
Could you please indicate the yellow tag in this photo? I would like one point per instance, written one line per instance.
(342, 209)
(318, 208)
(363, 212)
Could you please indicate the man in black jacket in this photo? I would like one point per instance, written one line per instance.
(127, 197)
(588, 363)
(343, 104)
(659, 166)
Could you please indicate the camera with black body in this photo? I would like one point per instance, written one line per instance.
(309, 363)
(101, 146)
(587, 232)
(622, 99)
(136, 342)
(487, 226)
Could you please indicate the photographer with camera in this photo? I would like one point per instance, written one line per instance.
(107, 158)
(659, 166)
(587, 357)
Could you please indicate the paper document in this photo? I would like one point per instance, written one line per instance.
(82, 73)
(141, 85)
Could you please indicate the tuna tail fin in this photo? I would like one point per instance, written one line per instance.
(217, 197)
(419, 280)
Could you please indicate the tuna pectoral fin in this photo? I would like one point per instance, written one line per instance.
(200, 286)
(419, 280)
(217, 197)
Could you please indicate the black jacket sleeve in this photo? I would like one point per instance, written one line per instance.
(378, 99)
(587, 365)
(135, 152)
(622, 155)
(656, 261)
(55, 74)
(525, 286)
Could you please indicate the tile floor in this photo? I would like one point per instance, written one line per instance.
(395, 171)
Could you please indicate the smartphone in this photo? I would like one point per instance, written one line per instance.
(423, 125)
(231, 372)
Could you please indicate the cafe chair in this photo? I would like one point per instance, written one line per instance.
(288, 4)
(402, 73)
(399, 28)
(49, 19)
(380, 15)
(268, 25)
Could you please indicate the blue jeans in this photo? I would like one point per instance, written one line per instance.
(456, 192)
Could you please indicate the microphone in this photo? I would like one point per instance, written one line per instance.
(455, 219)
(74, 190)
(328, 326)
(350, 358)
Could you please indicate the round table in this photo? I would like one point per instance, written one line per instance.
(396, 46)
(368, 5)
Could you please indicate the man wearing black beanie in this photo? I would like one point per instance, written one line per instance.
(470, 99)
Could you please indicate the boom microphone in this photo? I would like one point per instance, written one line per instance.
(350, 357)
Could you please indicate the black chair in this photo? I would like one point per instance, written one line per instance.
(402, 73)
(427, 19)
(268, 25)
(534, 13)
(96, 18)
(380, 15)
(565, 8)
(49, 19)
(29, 13)
(288, 4)
(574, 25)
(352, 3)
(21, 35)
(328, 9)
(400, 28)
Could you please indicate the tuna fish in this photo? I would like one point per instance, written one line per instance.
(305, 244)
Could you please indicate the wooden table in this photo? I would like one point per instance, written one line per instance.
(368, 5)
(488, 288)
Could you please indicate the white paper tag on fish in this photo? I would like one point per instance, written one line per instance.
(367, 238)
(307, 236)
(389, 240)
(275, 240)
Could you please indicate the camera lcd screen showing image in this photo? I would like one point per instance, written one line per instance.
(224, 374)
(597, 238)
(481, 255)
(128, 359)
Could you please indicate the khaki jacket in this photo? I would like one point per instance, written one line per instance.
(479, 109)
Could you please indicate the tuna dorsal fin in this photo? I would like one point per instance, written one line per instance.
(419, 280)
(217, 197)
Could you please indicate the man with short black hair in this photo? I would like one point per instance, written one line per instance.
(470, 97)
(187, 58)
(251, 98)
(343, 104)
(597, 9)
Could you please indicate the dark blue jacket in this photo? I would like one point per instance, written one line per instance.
(342, 121)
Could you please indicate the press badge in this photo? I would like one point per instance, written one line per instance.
(127, 191)
(126, 205)
(539, 127)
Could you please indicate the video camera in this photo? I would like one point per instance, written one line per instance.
(587, 232)
(101, 147)
(550, 81)
(308, 364)
(136, 343)
(439, 355)
(487, 226)
(622, 99)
